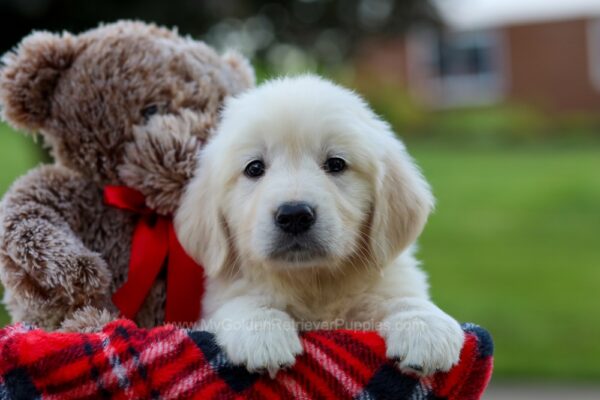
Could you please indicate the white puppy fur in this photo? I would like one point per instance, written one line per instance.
(353, 264)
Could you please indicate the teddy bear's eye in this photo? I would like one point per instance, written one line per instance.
(149, 111)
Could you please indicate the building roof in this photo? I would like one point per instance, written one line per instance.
(481, 14)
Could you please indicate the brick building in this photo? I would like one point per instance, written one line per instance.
(544, 53)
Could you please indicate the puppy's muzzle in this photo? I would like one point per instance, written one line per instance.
(295, 218)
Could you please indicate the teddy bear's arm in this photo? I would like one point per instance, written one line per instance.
(162, 158)
(43, 253)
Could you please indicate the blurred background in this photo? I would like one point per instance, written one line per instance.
(499, 102)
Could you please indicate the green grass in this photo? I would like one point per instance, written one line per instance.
(513, 245)
(18, 153)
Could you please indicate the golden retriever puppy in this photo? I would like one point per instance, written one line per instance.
(303, 212)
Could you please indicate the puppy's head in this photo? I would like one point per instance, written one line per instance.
(301, 174)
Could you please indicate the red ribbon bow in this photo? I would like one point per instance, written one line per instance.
(154, 243)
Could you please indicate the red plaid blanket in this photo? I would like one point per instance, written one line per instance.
(124, 361)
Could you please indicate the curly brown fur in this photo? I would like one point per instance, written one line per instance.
(63, 252)
(162, 157)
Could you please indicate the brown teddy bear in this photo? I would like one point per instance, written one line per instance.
(126, 104)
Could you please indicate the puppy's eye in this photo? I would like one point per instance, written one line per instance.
(149, 111)
(334, 165)
(255, 169)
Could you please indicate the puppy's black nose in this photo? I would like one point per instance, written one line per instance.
(295, 218)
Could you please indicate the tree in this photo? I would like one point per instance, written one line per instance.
(328, 26)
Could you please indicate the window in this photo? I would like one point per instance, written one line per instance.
(460, 57)
(459, 68)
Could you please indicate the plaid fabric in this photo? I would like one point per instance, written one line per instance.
(124, 361)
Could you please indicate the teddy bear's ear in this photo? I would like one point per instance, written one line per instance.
(241, 68)
(28, 77)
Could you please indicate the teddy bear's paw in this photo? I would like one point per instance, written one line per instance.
(87, 319)
(81, 278)
(162, 158)
(268, 342)
(423, 342)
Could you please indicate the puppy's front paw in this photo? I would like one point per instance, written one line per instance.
(266, 341)
(423, 342)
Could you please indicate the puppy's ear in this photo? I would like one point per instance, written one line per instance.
(403, 201)
(29, 76)
(199, 222)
